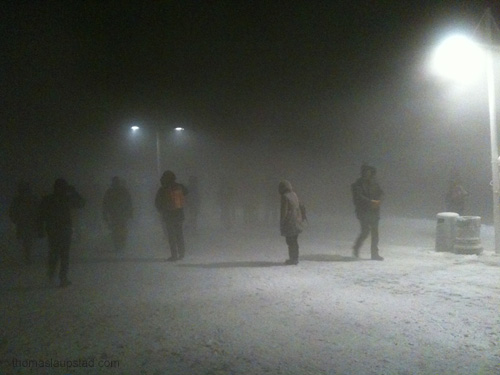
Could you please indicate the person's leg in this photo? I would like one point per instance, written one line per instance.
(179, 238)
(365, 231)
(172, 241)
(293, 250)
(115, 236)
(121, 236)
(375, 238)
(64, 246)
(53, 256)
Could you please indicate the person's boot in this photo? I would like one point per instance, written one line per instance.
(376, 256)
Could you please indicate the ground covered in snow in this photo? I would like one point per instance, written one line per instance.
(232, 307)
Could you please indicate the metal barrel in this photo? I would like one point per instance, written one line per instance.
(468, 235)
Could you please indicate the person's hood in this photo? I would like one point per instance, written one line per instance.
(60, 186)
(284, 187)
(115, 182)
(369, 168)
(167, 178)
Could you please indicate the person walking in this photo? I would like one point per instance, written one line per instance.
(117, 212)
(169, 202)
(290, 220)
(367, 196)
(55, 221)
(23, 213)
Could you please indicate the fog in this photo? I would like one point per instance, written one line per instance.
(413, 128)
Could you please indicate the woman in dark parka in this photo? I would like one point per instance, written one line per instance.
(290, 220)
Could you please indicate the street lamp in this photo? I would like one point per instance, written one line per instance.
(136, 129)
(459, 57)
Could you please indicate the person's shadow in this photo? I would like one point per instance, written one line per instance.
(327, 258)
(241, 264)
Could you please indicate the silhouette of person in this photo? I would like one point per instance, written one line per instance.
(23, 212)
(169, 201)
(55, 221)
(290, 220)
(367, 196)
(456, 194)
(117, 212)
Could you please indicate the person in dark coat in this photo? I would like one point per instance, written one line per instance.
(290, 220)
(367, 196)
(169, 201)
(55, 221)
(117, 212)
(23, 213)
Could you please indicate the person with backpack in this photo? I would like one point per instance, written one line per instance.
(291, 220)
(367, 196)
(169, 202)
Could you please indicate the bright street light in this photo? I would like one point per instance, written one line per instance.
(461, 58)
(458, 58)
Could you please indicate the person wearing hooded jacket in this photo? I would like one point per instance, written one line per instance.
(367, 196)
(290, 220)
(169, 202)
(55, 220)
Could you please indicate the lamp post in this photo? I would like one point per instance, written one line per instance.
(457, 57)
(493, 134)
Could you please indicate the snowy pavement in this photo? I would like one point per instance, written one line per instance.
(232, 307)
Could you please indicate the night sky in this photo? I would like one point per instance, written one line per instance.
(339, 82)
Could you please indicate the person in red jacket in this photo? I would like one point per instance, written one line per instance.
(169, 201)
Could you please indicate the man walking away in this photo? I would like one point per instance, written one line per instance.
(55, 221)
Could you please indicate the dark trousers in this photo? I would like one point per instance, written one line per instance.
(175, 236)
(369, 224)
(119, 234)
(27, 244)
(293, 247)
(59, 244)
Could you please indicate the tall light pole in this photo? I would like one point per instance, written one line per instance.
(457, 58)
(493, 132)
